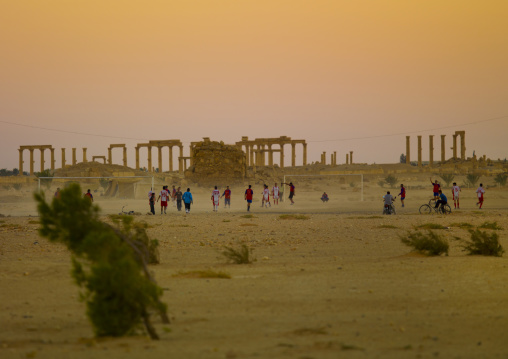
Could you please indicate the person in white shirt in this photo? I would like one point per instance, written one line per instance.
(215, 199)
(163, 196)
(455, 194)
(275, 194)
(266, 197)
(480, 191)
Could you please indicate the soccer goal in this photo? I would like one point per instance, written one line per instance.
(360, 175)
(112, 187)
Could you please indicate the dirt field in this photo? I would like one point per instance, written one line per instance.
(337, 284)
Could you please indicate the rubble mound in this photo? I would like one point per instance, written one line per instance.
(214, 162)
(95, 169)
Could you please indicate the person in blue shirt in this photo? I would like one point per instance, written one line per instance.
(442, 199)
(187, 200)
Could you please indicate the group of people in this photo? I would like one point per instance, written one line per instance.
(439, 197)
(265, 199)
(176, 196)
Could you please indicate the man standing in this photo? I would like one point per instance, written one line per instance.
(266, 197)
(89, 195)
(480, 191)
(187, 200)
(178, 195)
(436, 188)
(163, 196)
(275, 194)
(455, 194)
(402, 194)
(291, 192)
(248, 196)
(215, 199)
(227, 197)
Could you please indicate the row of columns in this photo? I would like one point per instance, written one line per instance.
(255, 150)
(160, 145)
(461, 134)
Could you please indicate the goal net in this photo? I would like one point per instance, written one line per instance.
(115, 187)
(339, 185)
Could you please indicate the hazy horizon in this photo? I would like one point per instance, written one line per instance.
(339, 74)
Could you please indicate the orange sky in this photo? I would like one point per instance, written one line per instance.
(318, 70)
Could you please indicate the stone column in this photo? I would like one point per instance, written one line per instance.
(84, 155)
(455, 147)
(262, 155)
(63, 157)
(180, 165)
(351, 157)
(347, 159)
(31, 161)
(125, 156)
(247, 155)
(443, 148)
(281, 156)
(419, 151)
(431, 150)
(191, 155)
(170, 147)
(331, 159)
(137, 158)
(304, 154)
(323, 157)
(270, 155)
(150, 169)
(408, 150)
(159, 153)
(74, 161)
(52, 158)
(110, 156)
(293, 155)
(335, 158)
(20, 162)
(42, 159)
(463, 145)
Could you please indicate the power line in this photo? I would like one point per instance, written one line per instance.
(315, 141)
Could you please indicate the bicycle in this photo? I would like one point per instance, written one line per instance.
(123, 212)
(428, 208)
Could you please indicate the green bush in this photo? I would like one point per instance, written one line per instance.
(484, 244)
(501, 179)
(430, 244)
(490, 225)
(447, 178)
(381, 183)
(109, 263)
(391, 180)
(431, 226)
(472, 179)
(238, 256)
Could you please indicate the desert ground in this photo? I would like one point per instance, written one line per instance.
(332, 281)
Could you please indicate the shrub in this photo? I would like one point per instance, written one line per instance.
(484, 244)
(431, 226)
(447, 178)
(203, 274)
(248, 216)
(472, 179)
(430, 244)
(17, 186)
(462, 225)
(381, 183)
(293, 216)
(109, 263)
(104, 183)
(391, 180)
(46, 182)
(238, 256)
(490, 225)
(501, 179)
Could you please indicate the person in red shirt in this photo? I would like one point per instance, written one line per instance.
(436, 188)
(227, 197)
(291, 191)
(248, 196)
(89, 195)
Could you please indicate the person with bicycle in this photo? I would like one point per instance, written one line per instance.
(442, 201)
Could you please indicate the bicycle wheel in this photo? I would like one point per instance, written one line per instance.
(446, 209)
(425, 209)
(432, 202)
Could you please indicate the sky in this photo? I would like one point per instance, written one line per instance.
(343, 75)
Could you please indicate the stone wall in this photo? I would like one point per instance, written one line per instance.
(214, 163)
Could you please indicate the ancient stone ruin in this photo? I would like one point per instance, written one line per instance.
(214, 162)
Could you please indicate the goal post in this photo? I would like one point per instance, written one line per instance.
(327, 175)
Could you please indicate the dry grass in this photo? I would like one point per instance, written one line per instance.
(209, 273)
(293, 216)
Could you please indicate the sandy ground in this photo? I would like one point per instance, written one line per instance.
(338, 284)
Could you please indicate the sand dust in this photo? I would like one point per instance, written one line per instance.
(338, 284)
